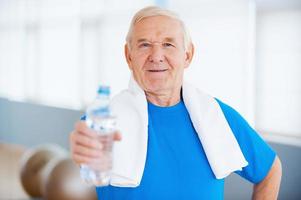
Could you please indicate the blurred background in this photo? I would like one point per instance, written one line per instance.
(55, 53)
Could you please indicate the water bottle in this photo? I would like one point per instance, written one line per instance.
(99, 118)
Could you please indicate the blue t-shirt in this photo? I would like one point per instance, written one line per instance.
(176, 165)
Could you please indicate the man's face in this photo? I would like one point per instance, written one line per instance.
(157, 55)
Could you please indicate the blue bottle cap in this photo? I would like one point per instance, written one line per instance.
(104, 90)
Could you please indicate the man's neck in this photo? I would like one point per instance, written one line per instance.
(164, 98)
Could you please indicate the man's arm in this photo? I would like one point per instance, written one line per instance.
(268, 188)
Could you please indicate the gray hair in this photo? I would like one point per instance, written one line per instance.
(151, 11)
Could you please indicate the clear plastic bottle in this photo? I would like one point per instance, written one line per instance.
(99, 118)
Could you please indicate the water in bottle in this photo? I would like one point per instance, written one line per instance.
(99, 118)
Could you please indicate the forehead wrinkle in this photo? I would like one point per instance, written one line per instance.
(150, 32)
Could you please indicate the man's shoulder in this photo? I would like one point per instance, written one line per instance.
(230, 113)
(227, 109)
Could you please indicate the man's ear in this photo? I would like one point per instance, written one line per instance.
(189, 55)
(128, 55)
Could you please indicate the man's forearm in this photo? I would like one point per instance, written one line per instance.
(268, 188)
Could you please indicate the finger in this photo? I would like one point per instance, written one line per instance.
(117, 136)
(84, 151)
(82, 127)
(83, 140)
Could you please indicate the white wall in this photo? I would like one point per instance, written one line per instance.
(223, 62)
(67, 48)
(57, 52)
(278, 70)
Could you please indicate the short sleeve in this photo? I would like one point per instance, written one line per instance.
(257, 152)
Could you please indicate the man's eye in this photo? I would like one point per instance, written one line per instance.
(166, 44)
(144, 45)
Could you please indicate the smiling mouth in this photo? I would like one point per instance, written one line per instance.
(157, 70)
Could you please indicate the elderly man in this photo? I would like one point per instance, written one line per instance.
(177, 142)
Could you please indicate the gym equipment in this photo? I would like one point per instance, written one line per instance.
(36, 164)
(64, 183)
(48, 173)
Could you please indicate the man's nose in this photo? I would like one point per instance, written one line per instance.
(156, 54)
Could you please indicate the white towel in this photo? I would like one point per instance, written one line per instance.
(129, 155)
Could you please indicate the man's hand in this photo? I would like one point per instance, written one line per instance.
(268, 188)
(84, 145)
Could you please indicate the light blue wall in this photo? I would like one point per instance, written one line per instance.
(30, 125)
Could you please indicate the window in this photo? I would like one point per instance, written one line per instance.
(57, 52)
